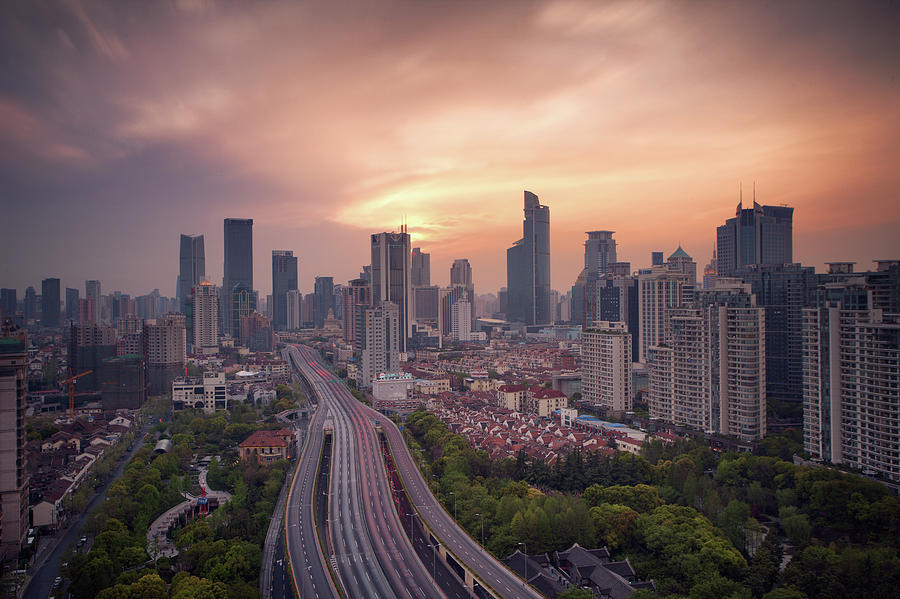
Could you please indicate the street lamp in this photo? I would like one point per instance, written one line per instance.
(524, 548)
(410, 524)
(434, 560)
(482, 529)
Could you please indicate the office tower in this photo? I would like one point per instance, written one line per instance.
(606, 366)
(205, 316)
(13, 477)
(89, 344)
(30, 304)
(617, 301)
(554, 306)
(192, 268)
(503, 301)
(656, 259)
(681, 262)
(461, 320)
(308, 310)
(420, 268)
(783, 291)
(324, 292)
(710, 271)
(579, 303)
(243, 303)
(659, 290)
(381, 349)
(391, 277)
(284, 279)
(337, 302)
(238, 273)
(599, 253)
(710, 372)
(50, 302)
(851, 359)
(528, 267)
(357, 298)
(426, 303)
(461, 273)
(92, 294)
(294, 302)
(165, 351)
(8, 303)
(256, 333)
(758, 235)
(72, 304)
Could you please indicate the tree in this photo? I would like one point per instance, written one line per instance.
(576, 593)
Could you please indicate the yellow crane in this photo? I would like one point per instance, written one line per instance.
(71, 383)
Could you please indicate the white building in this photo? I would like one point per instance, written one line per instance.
(461, 320)
(206, 318)
(392, 386)
(381, 350)
(606, 366)
(710, 372)
(851, 381)
(205, 393)
(658, 291)
(294, 303)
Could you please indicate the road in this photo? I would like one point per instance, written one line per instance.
(490, 570)
(42, 577)
(372, 554)
(307, 565)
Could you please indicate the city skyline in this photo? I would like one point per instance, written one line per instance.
(130, 135)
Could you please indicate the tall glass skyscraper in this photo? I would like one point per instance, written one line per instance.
(284, 279)
(762, 235)
(50, 302)
(192, 267)
(420, 268)
(391, 277)
(238, 271)
(324, 300)
(528, 267)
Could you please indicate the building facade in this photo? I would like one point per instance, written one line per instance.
(13, 473)
(205, 316)
(659, 291)
(191, 267)
(461, 320)
(391, 257)
(381, 350)
(50, 302)
(238, 270)
(606, 366)
(284, 279)
(324, 293)
(528, 267)
(757, 235)
(420, 268)
(206, 393)
(92, 294)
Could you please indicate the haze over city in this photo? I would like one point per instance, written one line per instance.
(124, 125)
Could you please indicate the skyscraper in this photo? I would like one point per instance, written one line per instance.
(357, 298)
(72, 306)
(294, 302)
(461, 273)
(420, 268)
(284, 279)
(8, 303)
(238, 273)
(13, 477)
(606, 370)
(92, 294)
(30, 304)
(461, 320)
(758, 235)
(192, 267)
(528, 267)
(680, 261)
(205, 315)
(50, 302)
(381, 352)
(391, 277)
(324, 292)
(599, 253)
(165, 350)
(659, 290)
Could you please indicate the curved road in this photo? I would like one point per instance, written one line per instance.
(495, 574)
(373, 555)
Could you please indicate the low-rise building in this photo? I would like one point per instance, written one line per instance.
(205, 393)
(266, 446)
(391, 387)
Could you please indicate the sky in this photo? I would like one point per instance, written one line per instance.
(124, 124)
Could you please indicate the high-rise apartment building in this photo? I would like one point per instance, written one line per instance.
(191, 267)
(13, 473)
(357, 299)
(89, 344)
(616, 294)
(238, 273)
(92, 294)
(757, 235)
(50, 302)
(461, 320)
(205, 315)
(420, 268)
(680, 261)
(606, 366)
(165, 350)
(391, 277)
(659, 290)
(851, 383)
(284, 279)
(8, 303)
(381, 350)
(294, 303)
(710, 371)
(324, 292)
(72, 305)
(256, 333)
(528, 267)
(30, 304)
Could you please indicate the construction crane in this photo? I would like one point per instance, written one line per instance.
(71, 383)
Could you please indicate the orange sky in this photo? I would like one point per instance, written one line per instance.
(325, 124)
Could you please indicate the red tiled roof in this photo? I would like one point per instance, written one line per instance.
(264, 439)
